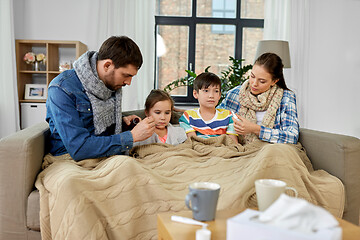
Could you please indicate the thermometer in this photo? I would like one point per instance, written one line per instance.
(235, 116)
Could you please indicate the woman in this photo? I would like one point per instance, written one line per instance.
(266, 108)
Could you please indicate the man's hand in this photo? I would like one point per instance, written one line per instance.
(129, 119)
(244, 126)
(144, 129)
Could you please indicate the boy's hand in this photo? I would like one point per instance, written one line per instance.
(234, 138)
(144, 129)
(190, 134)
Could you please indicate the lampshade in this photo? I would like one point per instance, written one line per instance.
(280, 48)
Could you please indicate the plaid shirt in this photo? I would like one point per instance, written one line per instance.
(286, 127)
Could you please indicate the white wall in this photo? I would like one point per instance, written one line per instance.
(57, 20)
(334, 67)
(333, 102)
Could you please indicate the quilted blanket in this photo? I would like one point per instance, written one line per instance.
(119, 197)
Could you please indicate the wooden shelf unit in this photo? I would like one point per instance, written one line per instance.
(54, 52)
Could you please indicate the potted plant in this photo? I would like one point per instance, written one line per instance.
(233, 76)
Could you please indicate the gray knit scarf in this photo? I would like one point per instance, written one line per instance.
(106, 108)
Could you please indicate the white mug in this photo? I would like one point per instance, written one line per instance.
(268, 190)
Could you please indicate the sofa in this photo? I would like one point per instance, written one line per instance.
(21, 156)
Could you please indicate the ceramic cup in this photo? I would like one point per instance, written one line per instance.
(268, 190)
(202, 200)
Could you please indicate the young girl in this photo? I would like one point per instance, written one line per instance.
(160, 105)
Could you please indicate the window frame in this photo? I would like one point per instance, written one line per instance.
(191, 22)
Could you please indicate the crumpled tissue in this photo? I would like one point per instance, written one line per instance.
(287, 218)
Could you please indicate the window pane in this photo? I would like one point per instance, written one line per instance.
(229, 15)
(217, 4)
(218, 14)
(229, 29)
(213, 49)
(251, 37)
(173, 7)
(172, 55)
(217, 28)
(230, 4)
(216, 8)
(252, 9)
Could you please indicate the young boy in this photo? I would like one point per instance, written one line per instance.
(208, 121)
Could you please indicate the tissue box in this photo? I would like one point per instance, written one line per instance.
(245, 226)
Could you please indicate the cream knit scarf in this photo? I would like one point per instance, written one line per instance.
(268, 101)
(106, 108)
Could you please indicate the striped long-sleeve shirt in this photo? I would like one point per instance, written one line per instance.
(221, 123)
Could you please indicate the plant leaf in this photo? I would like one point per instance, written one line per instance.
(234, 75)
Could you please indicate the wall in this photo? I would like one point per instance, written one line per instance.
(79, 20)
(57, 20)
(334, 67)
(334, 62)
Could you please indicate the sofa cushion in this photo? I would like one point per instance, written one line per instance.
(33, 211)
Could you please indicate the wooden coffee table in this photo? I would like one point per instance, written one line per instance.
(170, 230)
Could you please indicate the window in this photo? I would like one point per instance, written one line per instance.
(223, 9)
(195, 34)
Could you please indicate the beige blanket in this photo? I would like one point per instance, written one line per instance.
(119, 197)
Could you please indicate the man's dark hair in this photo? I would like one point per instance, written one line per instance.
(122, 51)
(206, 79)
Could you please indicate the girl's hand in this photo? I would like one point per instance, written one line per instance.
(244, 126)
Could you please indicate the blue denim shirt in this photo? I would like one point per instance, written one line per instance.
(70, 118)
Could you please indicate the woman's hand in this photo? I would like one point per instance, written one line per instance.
(244, 126)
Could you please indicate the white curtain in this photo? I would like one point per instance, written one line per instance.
(300, 45)
(135, 19)
(277, 19)
(9, 107)
(288, 20)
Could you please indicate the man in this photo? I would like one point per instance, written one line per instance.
(84, 103)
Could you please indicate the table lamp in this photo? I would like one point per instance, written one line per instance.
(281, 48)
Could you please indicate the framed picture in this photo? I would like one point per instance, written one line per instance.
(35, 91)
